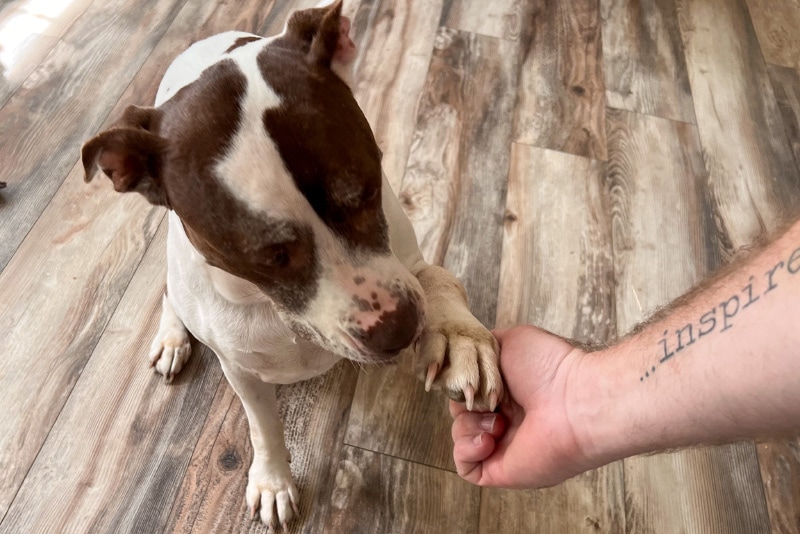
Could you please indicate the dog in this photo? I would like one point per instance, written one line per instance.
(287, 249)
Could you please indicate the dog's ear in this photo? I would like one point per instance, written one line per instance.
(130, 154)
(326, 38)
(325, 33)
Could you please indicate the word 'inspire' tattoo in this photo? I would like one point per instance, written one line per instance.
(720, 315)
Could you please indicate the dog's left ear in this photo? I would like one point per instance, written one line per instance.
(130, 154)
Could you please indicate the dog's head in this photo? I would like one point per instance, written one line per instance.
(276, 177)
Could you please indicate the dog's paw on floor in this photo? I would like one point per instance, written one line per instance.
(169, 352)
(271, 491)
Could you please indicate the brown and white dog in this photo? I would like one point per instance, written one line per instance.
(287, 249)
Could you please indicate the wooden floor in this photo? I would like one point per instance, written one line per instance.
(576, 164)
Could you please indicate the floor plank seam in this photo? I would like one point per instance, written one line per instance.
(571, 154)
(676, 121)
(399, 458)
(480, 34)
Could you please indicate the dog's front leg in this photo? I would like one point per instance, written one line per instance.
(270, 487)
(455, 352)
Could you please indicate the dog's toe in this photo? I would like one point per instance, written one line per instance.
(272, 494)
(169, 353)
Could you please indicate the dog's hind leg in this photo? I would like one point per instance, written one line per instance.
(171, 348)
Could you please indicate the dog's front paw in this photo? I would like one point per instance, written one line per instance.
(460, 358)
(455, 352)
(270, 488)
(170, 350)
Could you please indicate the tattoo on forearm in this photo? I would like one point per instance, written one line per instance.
(721, 315)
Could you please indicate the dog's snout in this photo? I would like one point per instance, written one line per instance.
(394, 331)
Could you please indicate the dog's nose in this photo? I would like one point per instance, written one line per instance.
(395, 330)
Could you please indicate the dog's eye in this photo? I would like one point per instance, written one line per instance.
(370, 196)
(278, 256)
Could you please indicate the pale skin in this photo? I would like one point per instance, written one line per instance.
(734, 373)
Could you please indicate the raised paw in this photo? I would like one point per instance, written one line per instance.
(455, 352)
(271, 491)
(461, 360)
(171, 347)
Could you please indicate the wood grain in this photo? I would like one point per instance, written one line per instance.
(28, 31)
(643, 62)
(557, 272)
(377, 493)
(47, 119)
(395, 38)
(501, 18)
(780, 471)
(114, 458)
(454, 193)
(561, 100)
(656, 187)
(776, 25)
(786, 84)
(95, 240)
(744, 141)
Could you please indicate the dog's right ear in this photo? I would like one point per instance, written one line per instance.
(130, 154)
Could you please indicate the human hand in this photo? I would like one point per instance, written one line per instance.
(531, 443)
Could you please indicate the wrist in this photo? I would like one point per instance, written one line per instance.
(596, 404)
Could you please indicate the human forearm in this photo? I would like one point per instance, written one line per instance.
(723, 364)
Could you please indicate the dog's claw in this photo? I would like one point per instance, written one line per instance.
(285, 526)
(253, 512)
(493, 401)
(433, 369)
(469, 396)
(295, 508)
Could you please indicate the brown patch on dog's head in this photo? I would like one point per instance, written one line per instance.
(320, 131)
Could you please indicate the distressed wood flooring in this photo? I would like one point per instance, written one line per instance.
(576, 163)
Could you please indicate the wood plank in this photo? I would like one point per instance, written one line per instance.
(377, 493)
(396, 42)
(776, 25)
(454, 193)
(48, 118)
(19, 58)
(561, 102)
(643, 62)
(113, 460)
(657, 190)
(740, 126)
(557, 272)
(315, 414)
(502, 18)
(95, 240)
(786, 84)
(28, 31)
(780, 471)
